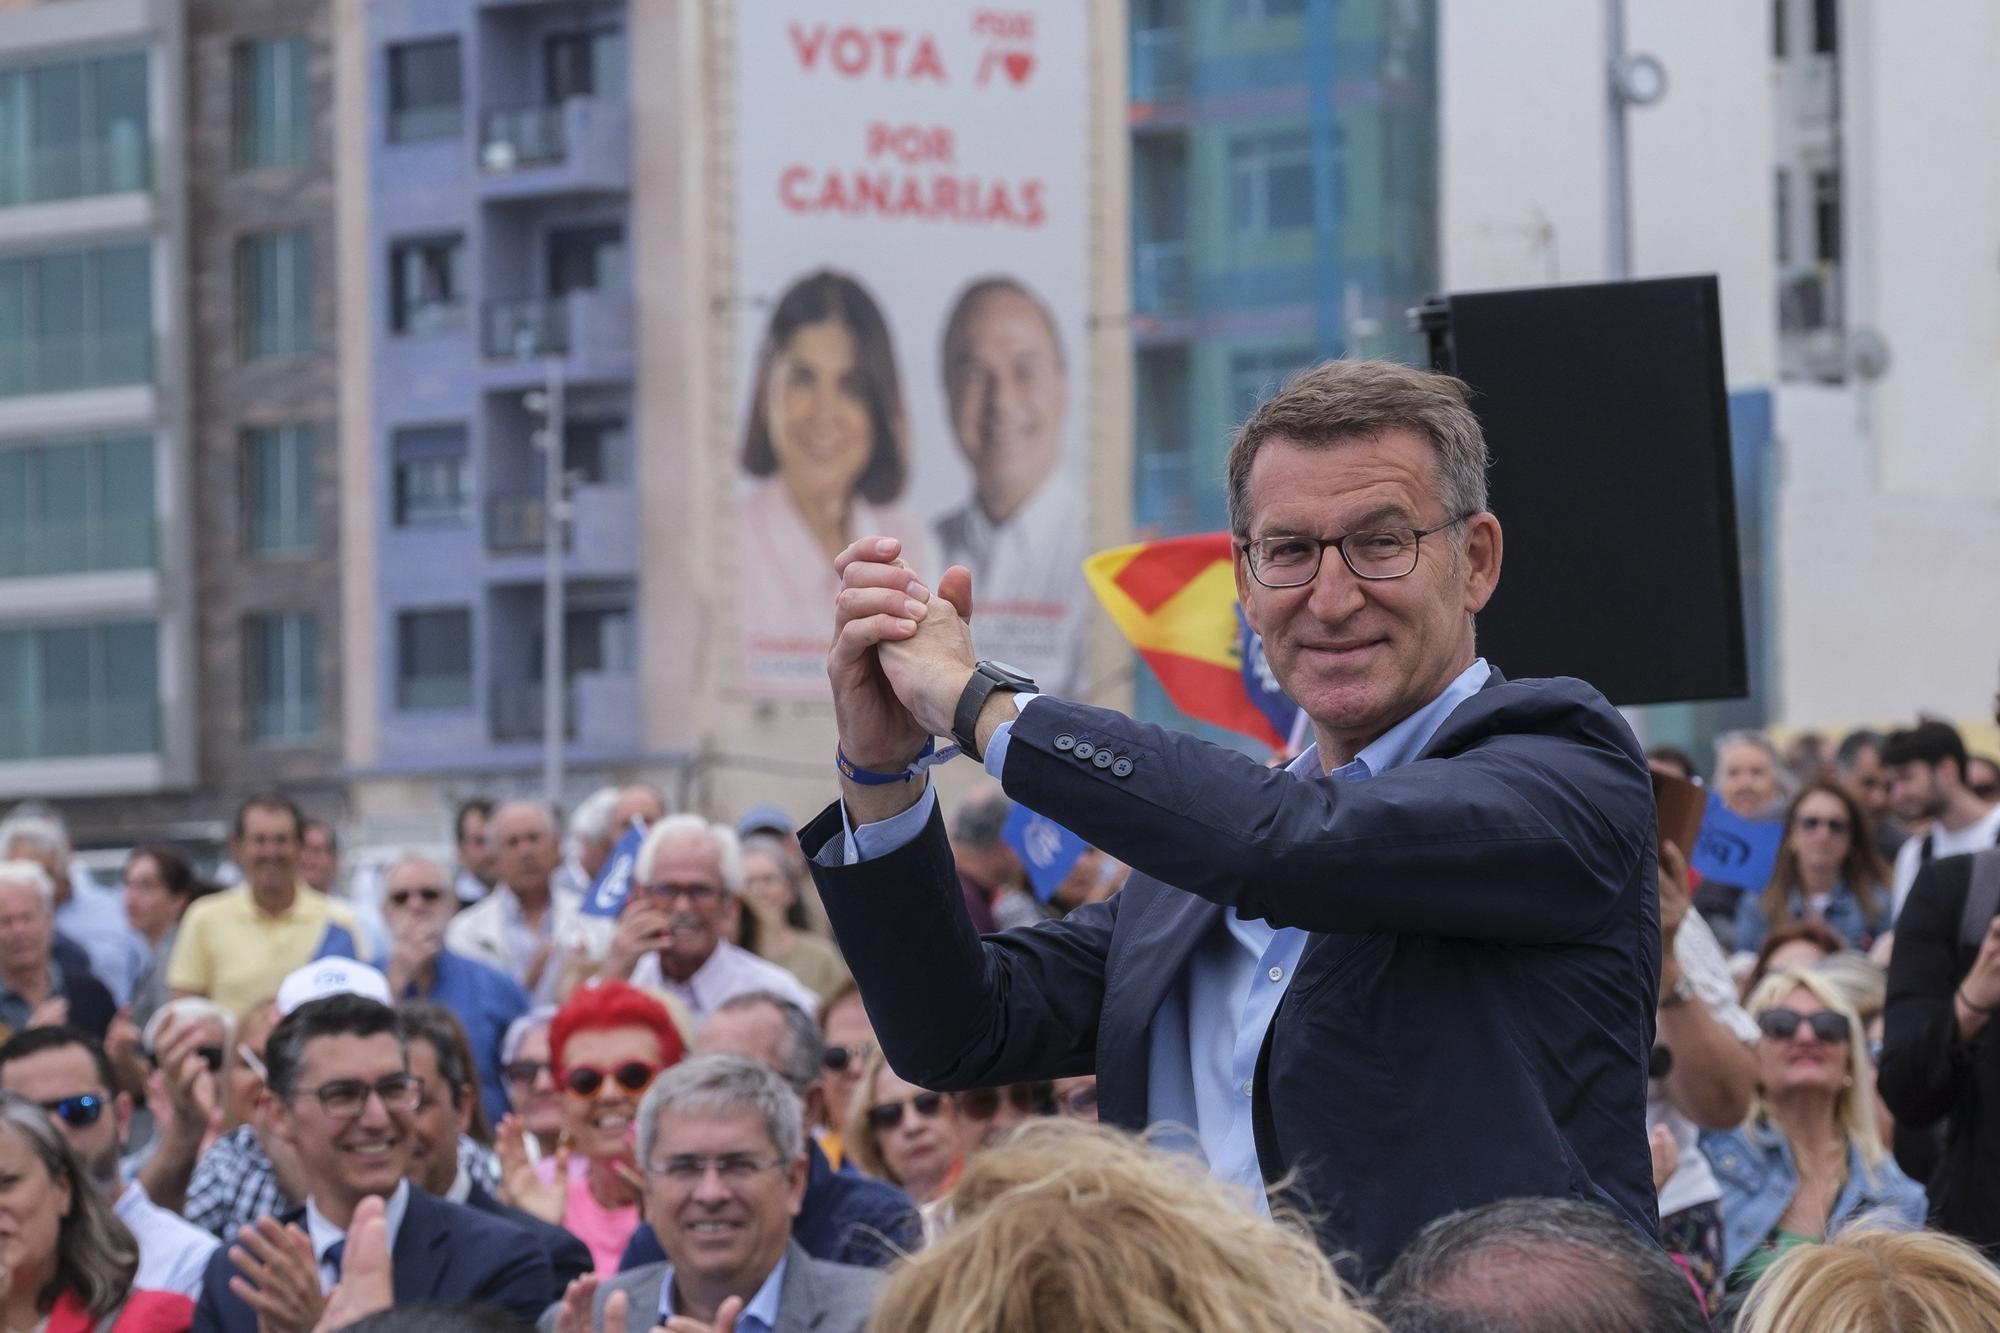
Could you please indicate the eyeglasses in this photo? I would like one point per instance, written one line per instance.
(1814, 823)
(634, 1076)
(888, 1115)
(426, 896)
(1783, 1024)
(687, 1170)
(345, 1098)
(251, 1060)
(526, 1071)
(840, 1059)
(1027, 1098)
(697, 895)
(1292, 560)
(79, 1112)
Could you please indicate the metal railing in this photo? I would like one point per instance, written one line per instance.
(515, 710)
(48, 730)
(523, 329)
(66, 365)
(514, 523)
(41, 174)
(511, 138)
(1809, 300)
(86, 545)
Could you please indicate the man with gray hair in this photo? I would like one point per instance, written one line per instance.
(670, 936)
(722, 1146)
(1535, 1266)
(36, 990)
(528, 925)
(844, 1217)
(588, 839)
(92, 917)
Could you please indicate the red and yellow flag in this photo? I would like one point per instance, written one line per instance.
(1175, 600)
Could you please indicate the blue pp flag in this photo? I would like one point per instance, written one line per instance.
(1735, 850)
(1046, 848)
(1260, 682)
(614, 883)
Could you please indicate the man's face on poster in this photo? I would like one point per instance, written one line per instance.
(1005, 378)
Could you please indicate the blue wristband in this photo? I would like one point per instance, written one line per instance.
(927, 757)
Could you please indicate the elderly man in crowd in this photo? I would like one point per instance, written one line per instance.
(722, 1145)
(67, 1072)
(236, 946)
(640, 801)
(343, 1097)
(443, 1118)
(417, 904)
(35, 989)
(527, 925)
(589, 838)
(93, 918)
(849, 1219)
(672, 935)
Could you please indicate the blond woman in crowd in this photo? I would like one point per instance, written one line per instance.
(1872, 1279)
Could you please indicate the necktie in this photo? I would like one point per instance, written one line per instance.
(335, 1255)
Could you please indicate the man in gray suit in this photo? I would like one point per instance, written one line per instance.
(722, 1145)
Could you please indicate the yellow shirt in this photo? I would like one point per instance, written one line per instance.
(236, 954)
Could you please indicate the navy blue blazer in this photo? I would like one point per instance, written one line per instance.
(444, 1253)
(1469, 1021)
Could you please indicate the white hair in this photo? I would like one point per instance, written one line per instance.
(591, 820)
(39, 831)
(32, 875)
(728, 850)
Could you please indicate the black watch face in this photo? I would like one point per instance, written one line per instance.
(1009, 675)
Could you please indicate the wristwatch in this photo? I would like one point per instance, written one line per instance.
(987, 677)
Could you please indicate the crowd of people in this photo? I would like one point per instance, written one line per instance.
(292, 1105)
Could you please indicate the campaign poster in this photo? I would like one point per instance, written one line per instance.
(912, 251)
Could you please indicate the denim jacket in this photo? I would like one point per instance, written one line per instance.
(1844, 914)
(1758, 1178)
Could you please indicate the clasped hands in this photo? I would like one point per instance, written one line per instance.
(901, 655)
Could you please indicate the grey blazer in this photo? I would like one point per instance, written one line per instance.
(817, 1296)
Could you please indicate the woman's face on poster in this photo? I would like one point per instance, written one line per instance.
(816, 404)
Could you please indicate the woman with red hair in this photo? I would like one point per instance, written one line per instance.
(607, 1044)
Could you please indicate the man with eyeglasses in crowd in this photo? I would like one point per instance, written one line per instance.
(722, 1146)
(671, 934)
(845, 1217)
(343, 1096)
(417, 904)
(1447, 903)
(68, 1072)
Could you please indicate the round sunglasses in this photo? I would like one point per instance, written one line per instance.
(634, 1076)
(888, 1115)
(1783, 1024)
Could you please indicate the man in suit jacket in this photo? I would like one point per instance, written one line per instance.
(1418, 969)
(722, 1144)
(339, 1072)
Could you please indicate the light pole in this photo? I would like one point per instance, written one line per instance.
(548, 401)
(1630, 80)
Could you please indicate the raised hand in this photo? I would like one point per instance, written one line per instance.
(520, 1186)
(278, 1277)
(929, 667)
(881, 601)
(725, 1320)
(573, 1312)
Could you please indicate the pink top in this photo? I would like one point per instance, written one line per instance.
(605, 1231)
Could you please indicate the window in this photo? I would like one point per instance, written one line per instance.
(1781, 208)
(1266, 9)
(73, 691)
(433, 485)
(434, 659)
(274, 103)
(1826, 216)
(1826, 26)
(74, 129)
(599, 450)
(275, 294)
(1270, 182)
(427, 285)
(425, 96)
(76, 506)
(77, 319)
(586, 64)
(278, 490)
(588, 259)
(281, 665)
(1254, 376)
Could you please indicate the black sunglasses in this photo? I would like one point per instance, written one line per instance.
(1027, 1098)
(888, 1115)
(633, 1076)
(77, 1112)
(525, 1071)
(842, 1058)
(401, 897)
(1814, 823)
(1783, 1024)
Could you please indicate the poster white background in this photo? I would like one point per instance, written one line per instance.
(915, 146)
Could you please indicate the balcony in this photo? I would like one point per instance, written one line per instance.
(579, 145)
(45, 175)
(600, 708)
(1809, 300)
(1161, 278)
(602, 537)
(89, 545)
(76, 363)
(589, 330)
(1160, 66)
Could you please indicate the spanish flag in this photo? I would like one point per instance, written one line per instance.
(1176, 601)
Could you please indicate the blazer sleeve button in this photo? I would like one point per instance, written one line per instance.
(1121, 767)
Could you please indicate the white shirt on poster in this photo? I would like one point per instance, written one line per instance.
(1028, 591)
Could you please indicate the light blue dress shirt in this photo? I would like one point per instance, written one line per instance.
(1208, 1031)
(759, 1316)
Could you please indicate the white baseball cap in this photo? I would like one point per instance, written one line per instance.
(331, 976)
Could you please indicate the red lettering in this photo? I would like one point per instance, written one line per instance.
(888, 40)
(926, 198)
(806, 46)
(1031, 195)
(791, 188)
(927, 64)
(850, 51)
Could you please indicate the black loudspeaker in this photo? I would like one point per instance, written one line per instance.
(1606, 413)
